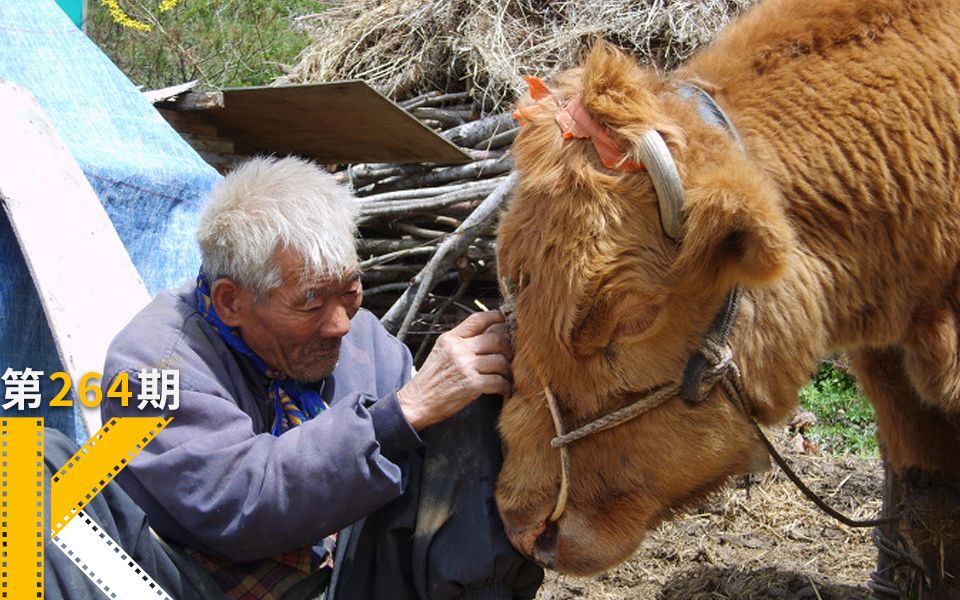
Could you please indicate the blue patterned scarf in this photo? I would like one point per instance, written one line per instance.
(293, 404)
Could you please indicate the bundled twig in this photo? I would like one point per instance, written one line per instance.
(448, 252)
(439, 176)
(398, 208)
(474, 134)
(427, 249)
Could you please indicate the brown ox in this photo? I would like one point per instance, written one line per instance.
(840, 218)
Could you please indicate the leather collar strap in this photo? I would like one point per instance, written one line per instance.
(695, 374)
(708, 109)
(698, 367)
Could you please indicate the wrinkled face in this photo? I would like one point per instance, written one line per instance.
(608, 308)
(298, 327)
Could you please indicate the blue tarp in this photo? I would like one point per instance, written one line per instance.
(149, 180)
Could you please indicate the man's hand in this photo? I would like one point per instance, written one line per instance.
(469, 360)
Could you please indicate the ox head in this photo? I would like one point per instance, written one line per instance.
(607, 307)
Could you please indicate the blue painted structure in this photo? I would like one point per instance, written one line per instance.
(148, 179)
(75, 9)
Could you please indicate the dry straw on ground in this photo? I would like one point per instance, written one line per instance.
(765, 543)
(406, 47)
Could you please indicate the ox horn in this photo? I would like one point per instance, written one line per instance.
(666, 181)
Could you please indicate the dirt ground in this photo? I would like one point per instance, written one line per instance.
(758, 541)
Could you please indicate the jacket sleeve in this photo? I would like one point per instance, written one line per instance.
(245, 495)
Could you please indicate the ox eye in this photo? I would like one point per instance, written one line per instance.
(607, 320)
(637, 323)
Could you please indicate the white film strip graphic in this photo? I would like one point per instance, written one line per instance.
(105, 562)
(96, 464)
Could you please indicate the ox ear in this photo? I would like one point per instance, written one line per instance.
(615, 90)
(735, 230)
(608, 71)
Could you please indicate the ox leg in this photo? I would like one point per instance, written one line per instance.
(920, 554)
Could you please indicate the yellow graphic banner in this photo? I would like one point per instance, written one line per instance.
(21, 508)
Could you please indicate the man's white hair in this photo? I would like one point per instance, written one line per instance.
(268, 204)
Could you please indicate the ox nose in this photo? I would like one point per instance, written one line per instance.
(545, 546)
(539, 543)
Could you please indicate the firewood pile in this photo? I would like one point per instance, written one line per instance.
(427, 245)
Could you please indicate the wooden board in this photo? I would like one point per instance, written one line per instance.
(340, 122)
(67, 239)
(154, 96)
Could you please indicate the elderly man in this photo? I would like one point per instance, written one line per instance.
(297, 412)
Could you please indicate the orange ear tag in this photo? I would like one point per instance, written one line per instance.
(538, 89)
(576, 122)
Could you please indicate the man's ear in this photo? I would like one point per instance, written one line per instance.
(227, 298)
(735, 231)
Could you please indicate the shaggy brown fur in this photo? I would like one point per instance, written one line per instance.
(840, 216)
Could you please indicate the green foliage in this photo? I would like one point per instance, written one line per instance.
(222, 43)
(846, 421)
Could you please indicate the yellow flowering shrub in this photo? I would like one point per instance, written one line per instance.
(123, 19)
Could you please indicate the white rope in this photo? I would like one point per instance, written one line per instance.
(618, 417)
(561, 504)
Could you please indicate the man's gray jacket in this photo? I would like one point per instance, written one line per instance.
(216, 479)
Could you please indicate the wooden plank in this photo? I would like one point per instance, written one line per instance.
(202, 143)
(154, 96)
(188, 122)
(340, 122)
(67, 239)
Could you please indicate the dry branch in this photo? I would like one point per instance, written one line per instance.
(420, 232)
(469, 135)
(448, 117)
(474, 170)
(404, 310)
(409, 194)
(397, 255)
(384, 246)
(434, 98)
(499, 140)
(364, 174)
(403, 208)
(434, 326)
